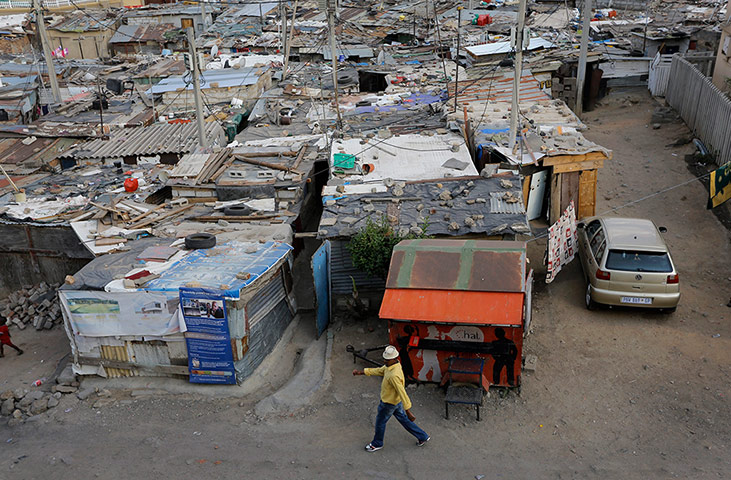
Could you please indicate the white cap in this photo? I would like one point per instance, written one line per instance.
(390, 352)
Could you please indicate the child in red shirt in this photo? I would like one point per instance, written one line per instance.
(5, 338)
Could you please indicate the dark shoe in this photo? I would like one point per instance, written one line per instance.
(20, 352)
(421, 443)
(371, 448)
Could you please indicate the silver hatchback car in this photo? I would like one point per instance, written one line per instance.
(626, 262)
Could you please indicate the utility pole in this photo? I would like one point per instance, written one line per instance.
(581, 73)
(45, 43)
(202, 140)
(456, 60)
(283, 18)
(204, 20)
(644, 37)
(518, 64)
(334, 54)
(289, 42)
(439, 39)
(101, 108)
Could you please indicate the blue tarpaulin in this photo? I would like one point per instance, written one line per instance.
(217, 266)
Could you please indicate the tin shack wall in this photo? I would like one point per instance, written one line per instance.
(258, 320)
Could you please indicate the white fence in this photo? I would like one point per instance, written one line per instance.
(46, 3)
(659, 74)
(703, 107)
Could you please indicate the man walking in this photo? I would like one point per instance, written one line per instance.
(394, 400)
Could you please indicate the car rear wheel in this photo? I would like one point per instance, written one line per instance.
(590, 303)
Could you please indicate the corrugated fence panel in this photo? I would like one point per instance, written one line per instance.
(659, 75)
(343, 273)
(703, 107)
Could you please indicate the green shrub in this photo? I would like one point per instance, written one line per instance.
(371, 247)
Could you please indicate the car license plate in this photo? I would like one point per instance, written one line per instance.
(636, 300)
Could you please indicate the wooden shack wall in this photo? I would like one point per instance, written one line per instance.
(574, 177)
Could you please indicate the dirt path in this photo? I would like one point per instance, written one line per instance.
(617, 393)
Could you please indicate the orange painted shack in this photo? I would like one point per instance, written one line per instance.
(458, 298)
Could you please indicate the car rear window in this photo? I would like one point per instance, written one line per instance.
(632, 261)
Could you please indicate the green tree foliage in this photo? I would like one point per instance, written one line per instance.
(371, 247)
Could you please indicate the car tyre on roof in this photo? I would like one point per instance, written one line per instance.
(200, 240)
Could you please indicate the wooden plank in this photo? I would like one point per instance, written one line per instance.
(101, 242)
(261, 163)
(140, 217)
(579, 166)
(555, 197)
(587, 194)
(562, 159)
(163, 217)
(300, 156)
(526, 188)
(168, 369)
(236, 218)
(569, 189)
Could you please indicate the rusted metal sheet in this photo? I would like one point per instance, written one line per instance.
(456, 306)
(499, 88)
(474, 265)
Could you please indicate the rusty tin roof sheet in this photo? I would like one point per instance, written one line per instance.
(473, 265)
(153, 140)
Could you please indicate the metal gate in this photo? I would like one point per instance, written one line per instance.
(321, 276)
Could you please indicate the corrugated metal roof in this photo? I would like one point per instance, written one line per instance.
(464, 212)
(142, 33)
(84, 21)
(153, 140)
(499, 205)
(212, 268)
(499, 88)
(504, 47)
(163, 68)
(445, 264)
(405, 157)
(15, 150)
(224, 78)
(250, 10)
(481, 308)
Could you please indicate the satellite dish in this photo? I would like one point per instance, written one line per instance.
(214, 50)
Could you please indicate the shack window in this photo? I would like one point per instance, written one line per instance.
(186, 22)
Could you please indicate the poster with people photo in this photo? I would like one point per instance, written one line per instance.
(210, 358)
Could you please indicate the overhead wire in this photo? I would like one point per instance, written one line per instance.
(641, 199)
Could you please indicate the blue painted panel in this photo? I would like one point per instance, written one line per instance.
(321, 274)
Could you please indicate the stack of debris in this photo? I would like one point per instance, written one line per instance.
(20, 404)
(33, 305)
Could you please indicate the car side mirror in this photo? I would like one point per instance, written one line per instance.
(662, 229)
(580, 225)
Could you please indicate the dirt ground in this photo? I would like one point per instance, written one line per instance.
(618, 393)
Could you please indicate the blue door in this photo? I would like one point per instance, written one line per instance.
(321, 275)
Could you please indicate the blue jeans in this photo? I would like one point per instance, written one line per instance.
(385, 411)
